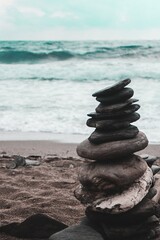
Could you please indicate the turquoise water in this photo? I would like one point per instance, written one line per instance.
(47, 86)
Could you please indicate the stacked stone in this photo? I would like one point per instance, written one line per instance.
(116, 185)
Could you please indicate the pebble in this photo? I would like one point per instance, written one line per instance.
(115, 107)
(98, 137)
(100, 176)
(112, 150)
(121, 96)
(107, 124)
(112, 89)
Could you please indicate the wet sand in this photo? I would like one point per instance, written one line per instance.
(47, 188)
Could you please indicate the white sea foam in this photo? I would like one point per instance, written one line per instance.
(55, 96)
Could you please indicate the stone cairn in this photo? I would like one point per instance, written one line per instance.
(116, 185)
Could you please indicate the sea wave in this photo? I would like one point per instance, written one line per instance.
(10, 56)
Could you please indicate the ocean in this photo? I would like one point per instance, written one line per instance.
(47, 86)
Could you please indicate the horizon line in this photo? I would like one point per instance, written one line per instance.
(77, 40)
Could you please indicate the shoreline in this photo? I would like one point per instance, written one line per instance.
(52, 147)
(41, 136)
(38, 147)
(38, 143)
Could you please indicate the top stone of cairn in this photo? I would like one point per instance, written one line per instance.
(113, 89)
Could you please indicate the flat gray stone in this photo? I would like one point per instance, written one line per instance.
(101, 176)
(143, 229)
(112, 150)
(102, 108)
(82, 231)
(112, 89)
(36, 226)
(121, 113)
(112, 124)
(116, 115)
(98, 137)
(121, 96)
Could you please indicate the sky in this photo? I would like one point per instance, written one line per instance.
(79, 19)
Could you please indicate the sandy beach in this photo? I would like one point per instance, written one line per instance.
(46, 188)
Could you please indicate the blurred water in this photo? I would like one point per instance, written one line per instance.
(47, 86)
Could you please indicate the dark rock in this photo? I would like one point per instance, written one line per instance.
(112, 89)
(112, 124)
(154, 234)
(121, 96)
(149, 159)
(91, 122)
(120, 116)
(83, 231)
(112, 150)
(11, 165)
(99, 123)
(121, 113)
(155, 169)
(38, 226)
(102, 108)
(98, 137)
(16, 162)
(19, 160)
(152, 192)
(107, 124)
(121, 233)
(101, 176)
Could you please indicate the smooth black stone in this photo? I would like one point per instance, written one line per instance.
(98, 137)
(128, 118)
(117, 115)
(83, 231)
(102, 108)
(121, 96)
(112, 89)
(39, 226)
(121, 233)
(107, 124)
(110, 124)
(155, 169)
(91, 122)
(123, 112)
